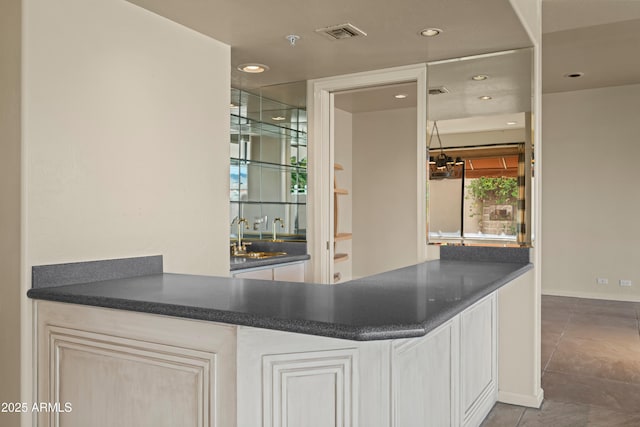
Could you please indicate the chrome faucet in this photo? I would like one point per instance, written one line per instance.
(241, 248)
(274, 227)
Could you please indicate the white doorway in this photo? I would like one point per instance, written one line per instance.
(408, 247)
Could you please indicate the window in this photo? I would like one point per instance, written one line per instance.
(481, 200)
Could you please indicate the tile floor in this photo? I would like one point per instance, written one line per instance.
(590, 367)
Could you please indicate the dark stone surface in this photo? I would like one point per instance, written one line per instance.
(240, 263)
(484, 253)
(291, 248)
(408, 302)
(296, 251)
(94, 271)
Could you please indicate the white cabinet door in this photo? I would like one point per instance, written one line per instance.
(289, 273)
(311, 389)
(264, 274)
(424, 374)
(295, 380)
(118, 368)
(478, 360)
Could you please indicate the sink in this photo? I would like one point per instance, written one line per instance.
(260, 255)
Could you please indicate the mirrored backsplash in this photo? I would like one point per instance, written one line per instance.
(268, 171)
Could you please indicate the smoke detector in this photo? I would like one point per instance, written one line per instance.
(342, 31)
(438, 90)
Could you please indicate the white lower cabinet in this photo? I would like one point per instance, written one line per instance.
(134, 369)
(290, 272)
(478, 361)
(260, 273)
(424, 379)
(446, 378)
(120, 368)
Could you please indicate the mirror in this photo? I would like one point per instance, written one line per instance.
(268, 155)
(480, 164)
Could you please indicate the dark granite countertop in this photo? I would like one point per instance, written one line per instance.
(239, 263)
(408, 302)
(295, 251)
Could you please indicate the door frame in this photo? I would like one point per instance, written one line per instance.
(320, 94)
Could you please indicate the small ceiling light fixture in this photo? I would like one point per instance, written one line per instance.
(512, 123)
(278, 118)
(574, 75)
(430, 32)
(400, 96)
(253, 68)
(480, 77)
(485, 98)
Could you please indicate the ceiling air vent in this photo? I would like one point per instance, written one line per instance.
(438, 90)
(342, 31)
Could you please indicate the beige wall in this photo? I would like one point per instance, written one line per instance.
(343, 134)
(590, 198)
(9, 206)
(518, 343)
(125, 142)
(384, 188)
(126, 130)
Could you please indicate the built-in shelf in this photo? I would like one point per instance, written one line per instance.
(337, 236)
(268, 170)
(342, 236)
(340, 257)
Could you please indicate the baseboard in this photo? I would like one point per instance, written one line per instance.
(591, 295)
(528, 400)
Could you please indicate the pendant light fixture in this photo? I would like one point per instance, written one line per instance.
(444, 164)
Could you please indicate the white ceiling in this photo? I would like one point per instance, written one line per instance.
(600, 38)
(256, 31)
(377, 98)
(508, 83)
(597, 37)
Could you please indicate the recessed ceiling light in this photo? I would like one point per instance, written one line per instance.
(253, 68)
(430, 32)
(512, 123)
(278, 118)
(400, 96)
(485, 98)
(574, 75)
(479, 77)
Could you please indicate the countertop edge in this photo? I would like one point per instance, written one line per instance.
(267, 262)
(307, 327)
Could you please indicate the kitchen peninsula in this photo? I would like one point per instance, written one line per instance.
(123, 341)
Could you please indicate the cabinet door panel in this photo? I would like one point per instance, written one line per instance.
(478, 360)
(423, 370)
(314, 389)
(127, 383)
(264, 274)
(289, 273)
(118, 368)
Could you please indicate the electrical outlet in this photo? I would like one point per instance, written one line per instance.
(624, 282)
(602, 281)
